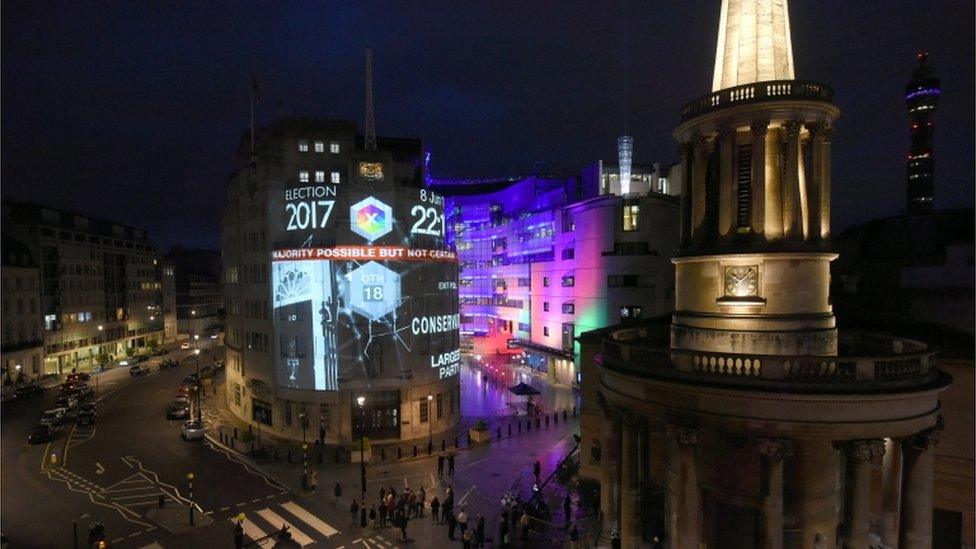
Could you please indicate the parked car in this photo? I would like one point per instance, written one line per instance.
(78, 376)
(87, 414)
(185, 345)
(191, 378)
(141, 357)
(29, 390)
(139, 370)
(191, 430)
(178, 410)
(67, 401)
(207, 371)
(168, 364)
(55, 417)
(159, 351)
(185, 389)
(40, 433)
(82, 393)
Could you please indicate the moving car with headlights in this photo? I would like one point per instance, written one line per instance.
(55, 417)
(185, 345)
(40, 433)
(192, 430)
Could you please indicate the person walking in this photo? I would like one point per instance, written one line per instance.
(382, 510)
(567, 505)
(479, 532)
(321, 434)
(525, 525)
(462, 520)
(354, 510)
(372, 517)
(450, 465)
(337, 490)
(448, 506)
(503, 532)
(421, 502)
(440, 465)
(537, 471)
(451, 524)
(382, 495)
(313, 480)
(435, 506)
(466, 539)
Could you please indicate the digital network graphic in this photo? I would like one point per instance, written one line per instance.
(371, 219)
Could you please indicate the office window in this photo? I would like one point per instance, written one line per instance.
(545, 281)
(424, 411)
(303, 176)
(631, 216)
(569, 253)
(237, 394)
(631, 312)
(335, 177)
(440, 405)
(319, 176)
(545, 306)
(319, 146)
(334, 147)
(569, 281)
(569, 308)
(288, 414)
(545, 331)
(303, 146)
(325, 417)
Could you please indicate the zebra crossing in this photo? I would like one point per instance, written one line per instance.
(302, 524)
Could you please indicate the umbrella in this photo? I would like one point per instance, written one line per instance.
(524, 389)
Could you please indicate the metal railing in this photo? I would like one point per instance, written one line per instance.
(759, 91)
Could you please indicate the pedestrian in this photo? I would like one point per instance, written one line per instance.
(435, 506)
(337, 490)
(450, 465)
(372, 516)
(421, 501)
(503, 532)
(525, 526)
(382, 495)
(322, 432)
(451, 524)
(567, 504)
(574, 537)
(466, 539)
(448, 506)
(390, 506)
(400, 521)
(462, 520)
(514, 516)
(313, 480)
(412, 509)
(440, 465)
(382, 514)
(354, 510)
(479, 532)
(537, 471)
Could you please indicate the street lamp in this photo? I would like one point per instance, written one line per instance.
(196, 339)
(74, 524)
(196, 387)
(189, 478)
(430, 424)
(361, 401)
(303, 417)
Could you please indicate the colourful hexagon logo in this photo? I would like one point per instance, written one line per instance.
(370, 218)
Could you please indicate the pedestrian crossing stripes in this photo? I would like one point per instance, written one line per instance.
(272, 522)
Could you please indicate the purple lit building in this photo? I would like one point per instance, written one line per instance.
(543, 259)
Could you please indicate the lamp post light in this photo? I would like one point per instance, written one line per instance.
(430, 423)
(303, 418)
(196, 387)
(74, 525)
(361, 401)
(189, 478)
(196, 340)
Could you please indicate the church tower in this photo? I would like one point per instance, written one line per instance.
(753, 269)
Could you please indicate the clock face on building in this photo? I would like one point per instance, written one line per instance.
(742, 281)
(371, 170)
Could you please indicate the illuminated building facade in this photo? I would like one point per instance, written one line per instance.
(338, 284)
(100, 288)
(23, 324)
(543, 259)
(749, 420)
(921, 98)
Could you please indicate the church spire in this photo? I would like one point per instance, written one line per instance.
(754, 43)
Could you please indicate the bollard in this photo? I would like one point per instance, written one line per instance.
(574, 411)
(289, 455)
(430, 447)
(443, 445)
(469, 439)
(235, 433)
(250, 448)
(162, 500)
(528, 425)
(320, 457)
(555, 417)
(537, 422)
(499, 431)
(250, 429)
(232, 443)
(509, 429)
(564, 415)
(337, 455)
(399, 452)
(414, 450)
(455, 442)
(382, 454)
(520, 427)
(276, 455)
(547, 421)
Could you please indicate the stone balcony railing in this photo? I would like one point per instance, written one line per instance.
(759, 91)
(865, 362)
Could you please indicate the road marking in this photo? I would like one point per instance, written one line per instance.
(271, 496)
(255, 500)
(251, 530)
(225, 508)
(308, 518)
(296, 534)
(466, 494)
(242, 504)
(98, 468)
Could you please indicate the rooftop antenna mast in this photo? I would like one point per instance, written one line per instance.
(370, 144)
(254, 98)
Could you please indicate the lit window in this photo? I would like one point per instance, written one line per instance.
(303, 176)
(335, 177)
(545, 306)
(319, 146)
(303, 146)
(569, 281)
(631, 216)
(545, 331)
(569, 308)
(334, 147)
(545, 281)
(320, 176)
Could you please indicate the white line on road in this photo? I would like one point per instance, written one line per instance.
(466, 494)
(308, 518)
(251, 530)
(296, 534)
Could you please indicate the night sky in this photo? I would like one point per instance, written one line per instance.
(132, 111)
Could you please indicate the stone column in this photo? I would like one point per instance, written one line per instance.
(773, 452)
(916, 510)
(630, 483)
(698, 172)
(891, 492)
(815, 178)
(726, 181)
(758, 209)
(687, 151)
(791, 186)
(857, 491)
(774, 184)
(610, 470)
(817, 496)
(825, 138)
(683, 504)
